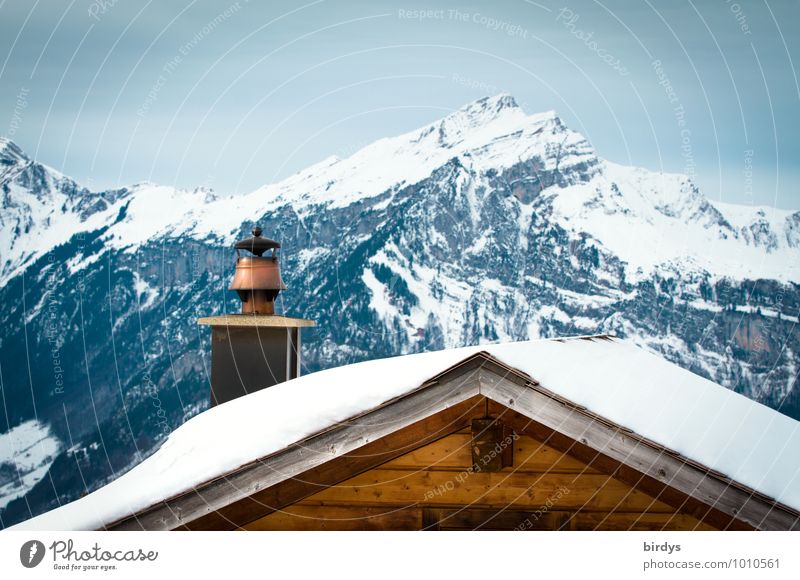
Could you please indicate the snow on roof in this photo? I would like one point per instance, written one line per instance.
(748, 442)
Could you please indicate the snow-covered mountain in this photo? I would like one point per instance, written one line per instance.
(486, 225)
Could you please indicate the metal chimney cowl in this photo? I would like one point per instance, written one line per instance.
(256, 348)
(257, 279)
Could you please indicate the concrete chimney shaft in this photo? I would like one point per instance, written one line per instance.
(257, 348)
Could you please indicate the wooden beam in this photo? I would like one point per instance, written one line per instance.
(589, 492)
(490, 445)
(471, 518)
(453, 453)
(624, 521)
(309, 517)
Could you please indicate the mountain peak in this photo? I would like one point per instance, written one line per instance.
(481, 120)
(492, 104)
(485, 111)
(492, 132)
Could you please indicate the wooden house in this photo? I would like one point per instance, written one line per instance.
(586, 433)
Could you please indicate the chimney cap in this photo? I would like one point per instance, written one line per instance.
(257, 245)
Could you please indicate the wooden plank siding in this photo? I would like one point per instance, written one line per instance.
(544, 489)
(354, 518)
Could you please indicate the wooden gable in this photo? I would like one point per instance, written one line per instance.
(405, 465)
(437, 487)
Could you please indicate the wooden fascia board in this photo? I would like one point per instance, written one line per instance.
(731, 498)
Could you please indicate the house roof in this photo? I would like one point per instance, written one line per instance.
(689, 429)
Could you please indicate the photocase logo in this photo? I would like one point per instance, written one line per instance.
(31, 553)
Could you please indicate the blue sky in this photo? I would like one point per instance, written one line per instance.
(232, 95)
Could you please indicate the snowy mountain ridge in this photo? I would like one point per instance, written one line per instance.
(650, 220)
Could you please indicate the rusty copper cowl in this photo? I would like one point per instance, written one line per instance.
(257, 279)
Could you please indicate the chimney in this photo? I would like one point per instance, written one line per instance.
(257, 348)
(257, 279)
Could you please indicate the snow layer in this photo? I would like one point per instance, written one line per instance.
(660, 221)
(749, 442)
(26, 453)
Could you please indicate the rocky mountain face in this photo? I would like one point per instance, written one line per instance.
(488, 225)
